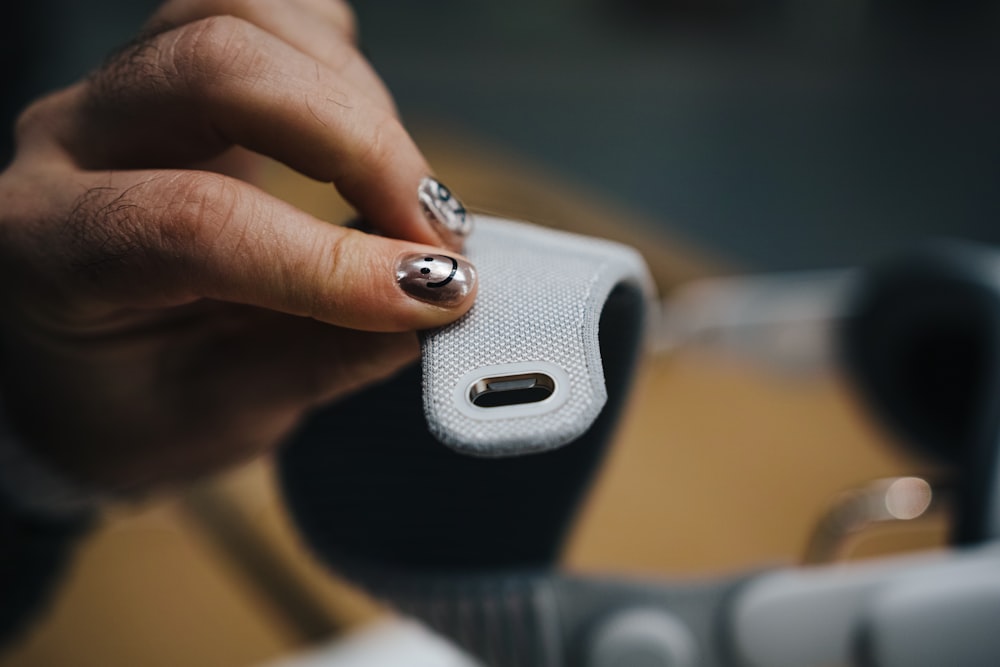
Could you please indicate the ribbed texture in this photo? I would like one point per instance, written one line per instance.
(506, 621)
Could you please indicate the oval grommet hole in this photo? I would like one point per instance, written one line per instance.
(495, 392)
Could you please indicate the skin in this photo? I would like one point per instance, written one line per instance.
(163, 317)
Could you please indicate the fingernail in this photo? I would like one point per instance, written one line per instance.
(446, 213)
(438, 279)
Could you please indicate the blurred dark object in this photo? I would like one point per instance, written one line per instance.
(924, 18)
(922, 344)
(781, 134)
(367, 483)
(48, 44)
(18, 60)
(891, 501)
(706, 12)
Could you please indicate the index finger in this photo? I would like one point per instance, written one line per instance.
(189, 93)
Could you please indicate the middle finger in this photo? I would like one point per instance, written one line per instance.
(190, 93)
(323, 29)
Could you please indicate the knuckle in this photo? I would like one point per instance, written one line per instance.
(382, 143)
(258, 12)
(341, 55)
(345, 18)
(336, 257)
(155, 230)
(198, 209)
(105, 226)
(197, 58)
(134, 68)
(202, 53)
(334, 262)
(38, 116)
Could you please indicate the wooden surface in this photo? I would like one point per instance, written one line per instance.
(717, 466)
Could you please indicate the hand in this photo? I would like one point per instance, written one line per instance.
(161, 321)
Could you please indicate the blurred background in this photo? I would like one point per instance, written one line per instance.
(778, 133)
(718, 136)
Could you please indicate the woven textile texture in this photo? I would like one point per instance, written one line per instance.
(541, 293)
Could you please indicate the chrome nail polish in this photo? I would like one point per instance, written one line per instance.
(437, 279)
(446, 213)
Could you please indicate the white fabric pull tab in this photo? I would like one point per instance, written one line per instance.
(522, 371)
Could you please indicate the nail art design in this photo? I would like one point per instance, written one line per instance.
(438, 279)
(445, 212)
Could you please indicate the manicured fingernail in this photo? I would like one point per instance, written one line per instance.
(446, 213)
(437, 279)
